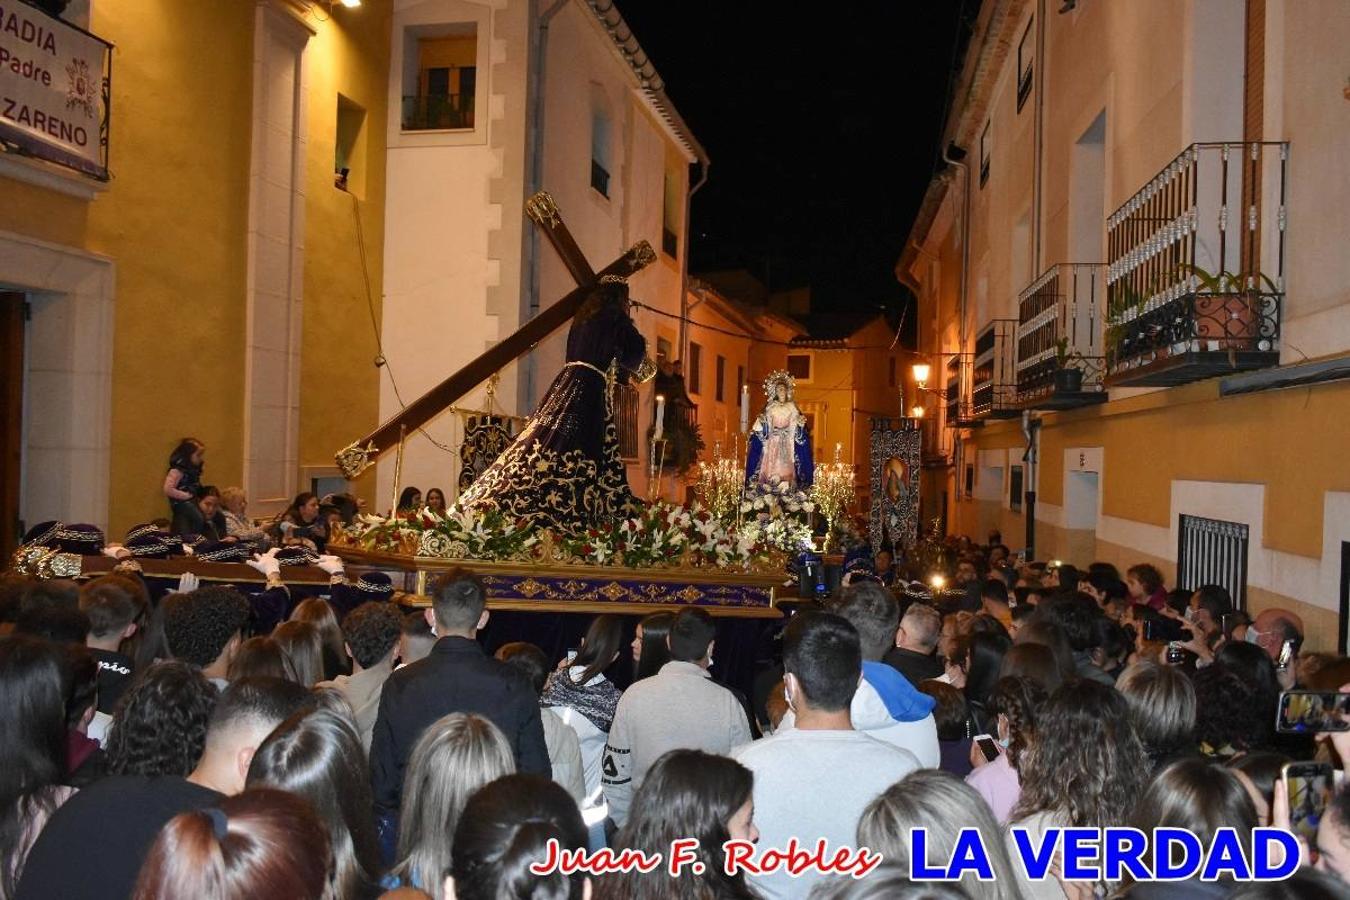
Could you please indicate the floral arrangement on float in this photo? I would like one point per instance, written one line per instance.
(661, 535)
(777, 514)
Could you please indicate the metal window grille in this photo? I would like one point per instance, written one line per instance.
(1212, 551)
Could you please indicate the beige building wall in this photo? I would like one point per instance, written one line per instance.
(1126, 87)
(460, 254)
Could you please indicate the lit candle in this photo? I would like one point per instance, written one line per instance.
(660, 428)
(745, 408)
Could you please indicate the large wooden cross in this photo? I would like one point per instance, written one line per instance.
(357, 457)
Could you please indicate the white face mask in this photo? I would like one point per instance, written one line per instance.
(1254, 636)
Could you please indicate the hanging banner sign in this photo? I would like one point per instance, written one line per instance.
(53, 89)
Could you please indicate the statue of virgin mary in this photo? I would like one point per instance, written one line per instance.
(779, 443)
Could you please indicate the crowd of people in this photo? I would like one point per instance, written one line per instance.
(334, 744)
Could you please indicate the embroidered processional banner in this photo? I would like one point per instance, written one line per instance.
(485, 437)
(895, 483)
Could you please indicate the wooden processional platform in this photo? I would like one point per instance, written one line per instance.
(526, 587)
(522, 587)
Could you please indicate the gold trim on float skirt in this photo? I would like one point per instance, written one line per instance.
(590, 589)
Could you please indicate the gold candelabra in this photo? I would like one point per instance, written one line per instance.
(719, 483)
(832, 490)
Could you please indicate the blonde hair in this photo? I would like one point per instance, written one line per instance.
(943, 804)
(230, 494)
(455, 756)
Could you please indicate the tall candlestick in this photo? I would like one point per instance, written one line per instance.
(838, 450)
(745, 408)
(660, 427)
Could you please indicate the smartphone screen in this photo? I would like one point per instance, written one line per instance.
(1308, 712)
(1286, 656)
(1309, 790)
(1174, 652)
(987, 746)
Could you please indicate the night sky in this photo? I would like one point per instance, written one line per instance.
(822, 124)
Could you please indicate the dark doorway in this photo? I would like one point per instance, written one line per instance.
(12, 315)
(1345, 597)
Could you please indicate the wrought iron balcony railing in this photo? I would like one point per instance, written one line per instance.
(437, 112)
(993, 384)
(1060, 361)
(1196, 273)
(956, 407)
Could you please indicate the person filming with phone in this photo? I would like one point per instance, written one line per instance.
(1307, 800)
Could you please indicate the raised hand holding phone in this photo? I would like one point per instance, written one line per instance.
(1279, 818)
(1340, 739)
(983, 750)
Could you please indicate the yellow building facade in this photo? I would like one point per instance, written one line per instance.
(849, 381)
(216, 285)
(1148, 193)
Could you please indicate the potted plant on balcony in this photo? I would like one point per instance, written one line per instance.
(1227, 310)
(1068, 377)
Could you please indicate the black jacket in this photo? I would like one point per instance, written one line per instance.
(93, 846)
(457, 676)
(914, 666)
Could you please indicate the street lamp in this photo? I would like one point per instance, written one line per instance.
(921, 371)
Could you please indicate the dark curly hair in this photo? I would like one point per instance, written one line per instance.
(1019, 699)
(372, 630)
(198, 625)
(1085, 764)
(1227, 711)
(160, 725)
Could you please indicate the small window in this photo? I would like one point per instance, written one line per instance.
(1026, 56)
(348, 155)
(695, 364)
(740, 381)
(440, 77)
(984, 154)
(970, 480)
(799, 366)
(670, 217)
(719, 388)
(600, 154)
(1015, 489)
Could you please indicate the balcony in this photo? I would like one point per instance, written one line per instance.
(956, 409)
(437, 112)
(993, 391)
(1195, 280)
(1060, 360)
